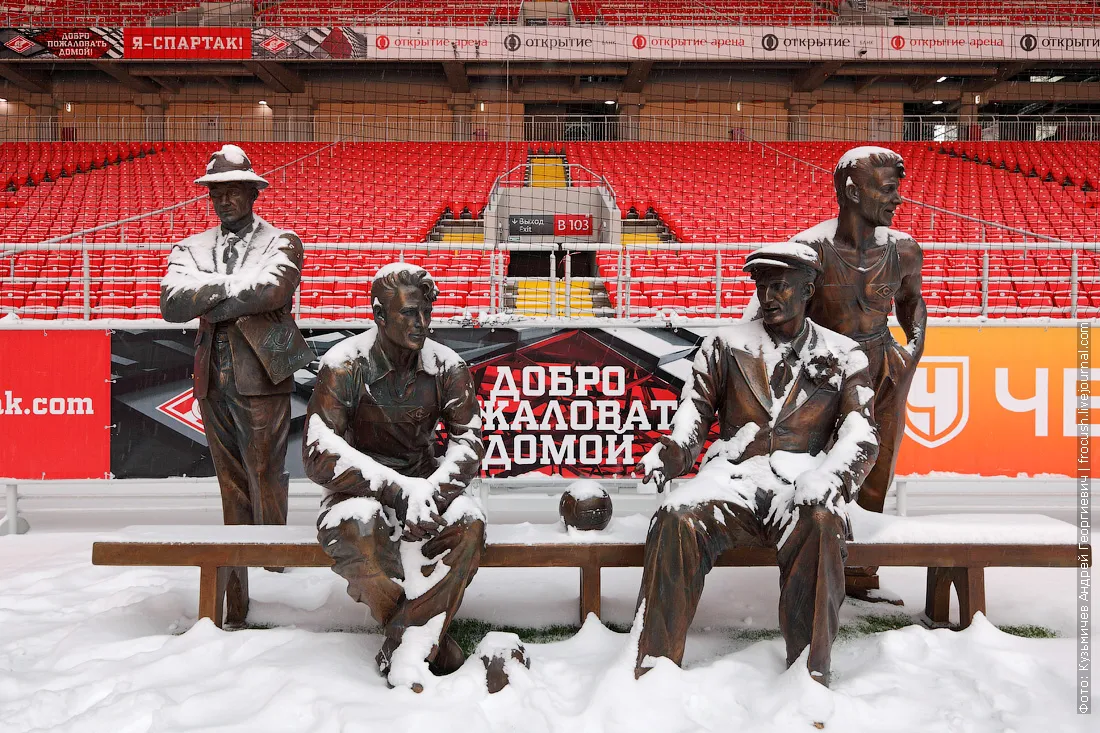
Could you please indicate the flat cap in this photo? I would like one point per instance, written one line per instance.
(784, 254)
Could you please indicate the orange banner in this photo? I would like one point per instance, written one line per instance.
(998, 401)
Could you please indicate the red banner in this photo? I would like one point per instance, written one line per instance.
(55, 404)
(61, 43)
(188, 43)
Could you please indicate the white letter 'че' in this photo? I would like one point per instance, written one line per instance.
(1039, 404)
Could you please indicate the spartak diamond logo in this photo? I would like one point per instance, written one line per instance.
(939, 400)
(185, 408)
(274, 44)
(19, 44)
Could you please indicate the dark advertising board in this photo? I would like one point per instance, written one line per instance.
(569, 402)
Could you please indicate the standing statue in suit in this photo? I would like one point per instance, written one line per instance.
(239, 280)
(797, 437)
(867, 270)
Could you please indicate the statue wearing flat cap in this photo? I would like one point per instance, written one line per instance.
(796, 439)
(239, 280)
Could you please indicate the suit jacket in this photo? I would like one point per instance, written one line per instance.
(253, 306)
(729, 383)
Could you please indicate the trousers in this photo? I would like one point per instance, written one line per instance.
(892, 372)
(684, 543)
(247, 435)
(365, 555)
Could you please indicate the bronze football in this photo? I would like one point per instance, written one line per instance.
(586, 507)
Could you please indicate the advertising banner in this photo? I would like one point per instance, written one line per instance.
(55, 416)
(702, 43)
(990, 401)
(995, 402)
(564, 43)
(61, 43)
(188, 43)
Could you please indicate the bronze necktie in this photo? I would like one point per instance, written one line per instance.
(230, 255)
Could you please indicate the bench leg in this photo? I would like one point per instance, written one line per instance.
(590, 591)
(211, 593)
(937, 598)
(970, 587)
(969, 584)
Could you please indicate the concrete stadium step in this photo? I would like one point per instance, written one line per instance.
(642, 238)
(463, 237)
(458, 231)
(646, 231)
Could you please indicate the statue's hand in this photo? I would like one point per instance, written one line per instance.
(817, 487)
(413, 501)
(660, 463)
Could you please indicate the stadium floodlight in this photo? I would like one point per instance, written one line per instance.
(941, 80)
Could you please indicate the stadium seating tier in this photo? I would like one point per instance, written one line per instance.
(395, 193)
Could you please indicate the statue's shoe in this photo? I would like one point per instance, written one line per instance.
(449, 657)
(494, 651)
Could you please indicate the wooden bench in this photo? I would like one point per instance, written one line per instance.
(931, 542)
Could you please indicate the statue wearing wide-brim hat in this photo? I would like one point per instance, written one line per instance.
(238, 279)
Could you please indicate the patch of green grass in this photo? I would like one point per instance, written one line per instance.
(754, 635)
(468, 632)
(876, 623)
(1030, 632)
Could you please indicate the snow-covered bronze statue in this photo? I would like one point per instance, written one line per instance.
(869, 269)
(239, 280)
(395, 517)
(796, 438)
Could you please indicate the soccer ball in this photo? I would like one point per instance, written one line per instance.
(585, 506)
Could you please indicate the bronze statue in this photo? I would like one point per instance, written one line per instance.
(796, 438)
(394, 517)
(868, 270)
(239, 280)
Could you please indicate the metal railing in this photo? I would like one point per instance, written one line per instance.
(912, 495)
(722, 290)
(277, 125)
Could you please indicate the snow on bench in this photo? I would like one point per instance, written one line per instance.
(956, 549)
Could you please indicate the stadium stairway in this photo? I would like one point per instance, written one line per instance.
(531, 296)
(537, 296)
(548, 170)
(640, 232)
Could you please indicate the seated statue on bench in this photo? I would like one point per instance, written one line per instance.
(793, 404)
(395, 517)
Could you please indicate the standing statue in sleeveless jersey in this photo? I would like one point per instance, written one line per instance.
(869, 270)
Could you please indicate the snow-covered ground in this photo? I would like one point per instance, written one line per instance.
(117, 650)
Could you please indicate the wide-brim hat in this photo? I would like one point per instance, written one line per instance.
(785, 254)
(229, 164)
